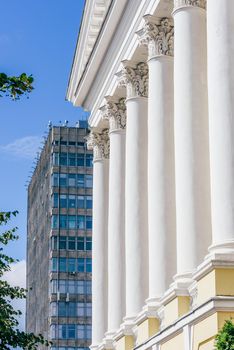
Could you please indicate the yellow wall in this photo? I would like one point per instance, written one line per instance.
(204, 333)
(217, 282)
(224, 281)
(176, 343)
(175, 309)
(147, 329)
(224, 316)
(125, 343)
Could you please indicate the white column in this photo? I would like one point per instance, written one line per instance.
(220, 29)
(158, 36)
(115, 113)
(191, 135)
(99, 142)
(136, 226)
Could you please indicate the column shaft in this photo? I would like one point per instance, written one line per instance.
(191, 136)
(99, 143)
(220, 14)
(115, 113)
(136, 206)
(161, 187)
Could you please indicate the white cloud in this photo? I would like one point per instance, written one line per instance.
(26, 147)
(17, 277)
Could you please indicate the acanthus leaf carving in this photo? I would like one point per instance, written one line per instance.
(195, 3)
(159, 38)
(99, 142)
(135, 80)
(115, 113)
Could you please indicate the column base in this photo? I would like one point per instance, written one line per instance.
(176, 301)
(124, 338)
(217, 272)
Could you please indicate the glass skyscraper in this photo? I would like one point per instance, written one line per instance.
(59, 241)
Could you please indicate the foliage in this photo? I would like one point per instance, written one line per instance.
(225, 338)
(10, 336)
(15, 87)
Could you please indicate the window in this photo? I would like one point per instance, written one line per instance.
(89, 202)
(63, 221)
(80, 159)
(55, 158)
(53, 331)
(89, 287)
(62, 286)
(71, 331)
(89, 181)
(63, 201)
(71, 222)
(71, 286)
(54, 264)
(89, 160)
(62, 264)
(71, 201)
(62, 309)
(71, 180)
(63, 143)
(71, 265)
(88, 265)
(80, 203)
(71, 309)
(63, 159)
(71, 143)
(81, 331)
(81, 286)
(62, 331)
(71, 243)
(71, 159)
(80, 180)
(54, 179)
(62, 242)
(53, 286)
(89, 331)
(80, 243)
(88, 309)
(55, 221)
(63, 180)
(81, 265)
(88, 222)
(81, 222)
(88, 243)
(55, 200)
(80, 144)
(56, 142)
(53, 309)
(81, 309)
(54, 243)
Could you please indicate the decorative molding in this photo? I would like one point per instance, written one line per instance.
(115, 113)
(195, 3)
(99, 143)
(135, 80)
(159, 38)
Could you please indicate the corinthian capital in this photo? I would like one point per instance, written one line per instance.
(99, 143)
(158, 37)
(115, 113)
(135, 80)
(195, 3)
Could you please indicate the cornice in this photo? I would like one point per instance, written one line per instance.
(92, 20)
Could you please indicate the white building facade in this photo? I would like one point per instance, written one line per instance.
(157, 77)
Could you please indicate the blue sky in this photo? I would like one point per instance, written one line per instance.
(39, 38)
